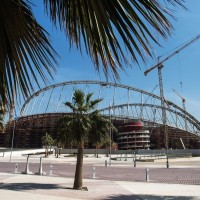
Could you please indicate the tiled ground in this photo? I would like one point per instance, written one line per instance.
(122, 173)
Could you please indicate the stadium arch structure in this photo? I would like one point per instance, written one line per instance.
(122, 103)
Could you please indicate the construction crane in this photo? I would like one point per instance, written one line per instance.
(159, 66)
(184, 108)
(172, 54)
(183, 99)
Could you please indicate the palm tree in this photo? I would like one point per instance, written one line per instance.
(78, 127)
(108, 29)
(99, 128)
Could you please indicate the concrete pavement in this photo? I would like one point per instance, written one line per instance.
(34, 187)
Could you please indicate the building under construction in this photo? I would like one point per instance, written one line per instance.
(26, 132)
(136, 113)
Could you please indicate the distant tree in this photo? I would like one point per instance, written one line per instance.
(47, 141)
(78, 127)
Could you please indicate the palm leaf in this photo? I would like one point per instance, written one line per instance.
(25, 51)
(84, 119)
(112, 28)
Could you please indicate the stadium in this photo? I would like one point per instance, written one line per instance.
(137, 114)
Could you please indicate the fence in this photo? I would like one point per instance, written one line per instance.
(171, 152)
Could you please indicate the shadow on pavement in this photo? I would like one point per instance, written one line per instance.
(29, 186)
(150, 197)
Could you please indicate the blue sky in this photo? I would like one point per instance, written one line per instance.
(183, 67)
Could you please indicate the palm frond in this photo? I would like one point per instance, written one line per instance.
(110, 29)
(69, 104)
(26, 54)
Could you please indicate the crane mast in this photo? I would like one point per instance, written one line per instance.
(164, 115)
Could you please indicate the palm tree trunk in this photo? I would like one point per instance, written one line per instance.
(78, 180)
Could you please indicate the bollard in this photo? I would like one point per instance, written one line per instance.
(134, 162)
(16, 168)
(134, 159)
(94, 173)
(147, 175)
(106, 163)
(40, 172)
(125, 158)
(27, 167)
(51, 170)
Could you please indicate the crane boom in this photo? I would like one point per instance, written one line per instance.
(183, 99)
(174, 53)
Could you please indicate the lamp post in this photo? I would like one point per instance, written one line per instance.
(13, 135)
(110, 137)
(166, 145)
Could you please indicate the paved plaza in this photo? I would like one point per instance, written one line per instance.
(120, 180)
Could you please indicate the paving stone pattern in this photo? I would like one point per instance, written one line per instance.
(114, 173)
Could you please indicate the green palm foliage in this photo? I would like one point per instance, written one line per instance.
(83, 123)
(100, 126)
(111, 28)
(25, 50)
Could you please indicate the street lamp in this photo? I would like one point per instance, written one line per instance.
(13, 135)
(110, 135)
(166, 145)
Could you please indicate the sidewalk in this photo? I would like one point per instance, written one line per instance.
(33, 187)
